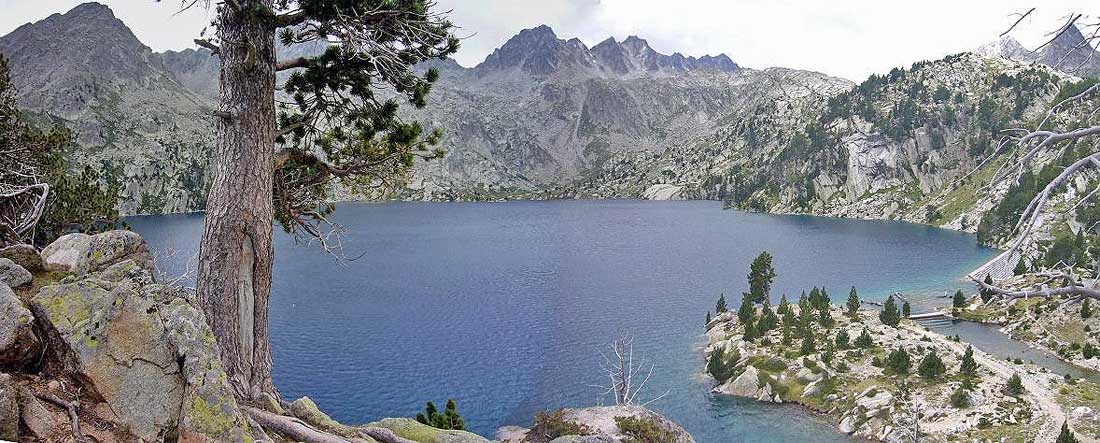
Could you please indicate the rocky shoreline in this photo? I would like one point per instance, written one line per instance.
(856, 387)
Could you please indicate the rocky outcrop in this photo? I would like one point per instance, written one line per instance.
(13, 275)
(421, 433)
(18, 342)
(601, 425)
(82, 253)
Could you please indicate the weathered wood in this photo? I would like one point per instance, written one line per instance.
(236, 255)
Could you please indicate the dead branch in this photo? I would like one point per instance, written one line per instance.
(1046, 291)
(622, 372)
(208, 45)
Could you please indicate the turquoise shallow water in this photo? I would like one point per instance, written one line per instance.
(505, 306)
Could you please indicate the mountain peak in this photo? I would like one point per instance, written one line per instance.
(91, 9)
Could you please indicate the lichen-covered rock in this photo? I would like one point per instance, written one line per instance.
(110, 338)
(18, 343)
(24, 255)
(210, 412)
(13, 275)
(421, 433)
(63, 253)
(9, 409)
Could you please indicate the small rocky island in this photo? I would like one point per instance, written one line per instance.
(94, 349)
(883, 377)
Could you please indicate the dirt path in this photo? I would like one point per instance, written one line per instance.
(1043, 396)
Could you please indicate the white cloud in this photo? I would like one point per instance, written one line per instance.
(849, 38)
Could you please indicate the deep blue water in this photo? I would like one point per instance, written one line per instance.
(505, 306)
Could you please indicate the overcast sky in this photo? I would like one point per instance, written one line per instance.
(851, 39)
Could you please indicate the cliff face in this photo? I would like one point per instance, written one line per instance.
(134, 121)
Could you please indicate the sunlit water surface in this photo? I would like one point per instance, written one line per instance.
(505, 306)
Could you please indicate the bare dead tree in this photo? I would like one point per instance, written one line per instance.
(623, 372)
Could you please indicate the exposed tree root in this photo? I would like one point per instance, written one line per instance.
(299, 430)
(74, 419)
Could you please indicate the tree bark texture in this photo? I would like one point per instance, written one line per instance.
(236, 255)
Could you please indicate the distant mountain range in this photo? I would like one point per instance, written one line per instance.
(545, 117)
(1069, 51)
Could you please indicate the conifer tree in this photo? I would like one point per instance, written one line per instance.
(968, 367)
(747, 313)
(889, 315)
(842, 339)
(906, 310)
(448, 420)
(750, 333)
(1066, 436)
(825, 318)
(720, 307)
(931, 366)
(1015, 386)
(761, 275)
(853, 303)
(898, 362)
(864, 340)
(784, 306)
(708, 318)
(987, 294)
(1020, 268)
(1086, 309)
(808, 345)
(959, 301)
(768, 320)
(786, 340)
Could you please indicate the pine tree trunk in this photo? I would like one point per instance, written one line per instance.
(235, 257)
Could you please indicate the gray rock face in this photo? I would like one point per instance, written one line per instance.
(13, 275)
(18, 343)
(25, 256)
(9, 409)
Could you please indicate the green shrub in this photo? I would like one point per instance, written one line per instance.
(864, 340)
(720, 364)
(549, 426)
(842, 340)
(960, 398)
(644, 430)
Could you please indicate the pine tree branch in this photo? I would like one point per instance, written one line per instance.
(293, 63)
